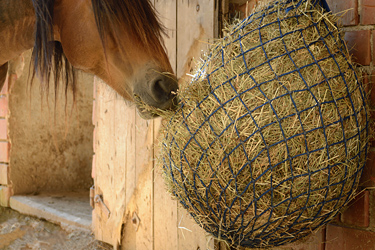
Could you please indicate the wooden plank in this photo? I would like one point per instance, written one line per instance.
(128, 237)
(168, 16)
(123, 115)
(144, 176)
(137, 232)
(115, 175)
(104, 160)
(195, 29)
(165, 209)
(96, 214)
(191, 235)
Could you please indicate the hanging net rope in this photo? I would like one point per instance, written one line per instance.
(271, 136)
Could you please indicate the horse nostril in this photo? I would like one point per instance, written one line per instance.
(157, 90)
(156, 93)
(162, 90)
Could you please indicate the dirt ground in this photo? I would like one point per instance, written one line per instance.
(22, 232)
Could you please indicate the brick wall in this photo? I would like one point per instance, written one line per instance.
(5, 187)
(355, 227)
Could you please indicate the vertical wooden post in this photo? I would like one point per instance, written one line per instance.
(165, 209)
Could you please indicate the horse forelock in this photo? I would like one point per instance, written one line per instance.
(138, 19)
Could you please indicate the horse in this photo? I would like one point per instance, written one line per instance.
(120, 41)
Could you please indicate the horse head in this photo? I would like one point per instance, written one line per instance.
(118, 41)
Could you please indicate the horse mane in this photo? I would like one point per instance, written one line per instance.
(136, 18)
(113, 17)
(48, 55)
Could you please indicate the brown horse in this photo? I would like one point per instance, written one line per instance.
(119, 41)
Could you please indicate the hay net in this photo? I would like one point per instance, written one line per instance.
(280, 147)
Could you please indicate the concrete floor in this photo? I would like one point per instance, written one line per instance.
(64, 209)
(24, 232)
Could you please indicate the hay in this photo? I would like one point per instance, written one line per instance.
(271, 136)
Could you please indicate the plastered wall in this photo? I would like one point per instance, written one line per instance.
(50, 147)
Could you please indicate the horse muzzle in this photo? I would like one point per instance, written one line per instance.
(159, 91)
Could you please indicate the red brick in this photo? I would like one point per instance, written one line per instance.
(349, 7)
(342, 238)
(336, 219)
(359, 45)
(368, 174)
(4, 90)
(370, 80)
(3, 106)
(93, 167)
(4, 151)
(5, 193)
(314, 242)
(3, 129)
(357, 211)
(4, 174)
(368, 12)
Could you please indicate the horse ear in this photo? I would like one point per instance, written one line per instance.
(3, 74)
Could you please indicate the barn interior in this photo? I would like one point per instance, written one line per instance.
(51, 146)
(50, 155)
(50, 139)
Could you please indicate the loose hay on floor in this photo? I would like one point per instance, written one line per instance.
(271, 136)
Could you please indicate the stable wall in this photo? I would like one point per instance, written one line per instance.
(132, 206)
(50, 146)
(354, 228)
